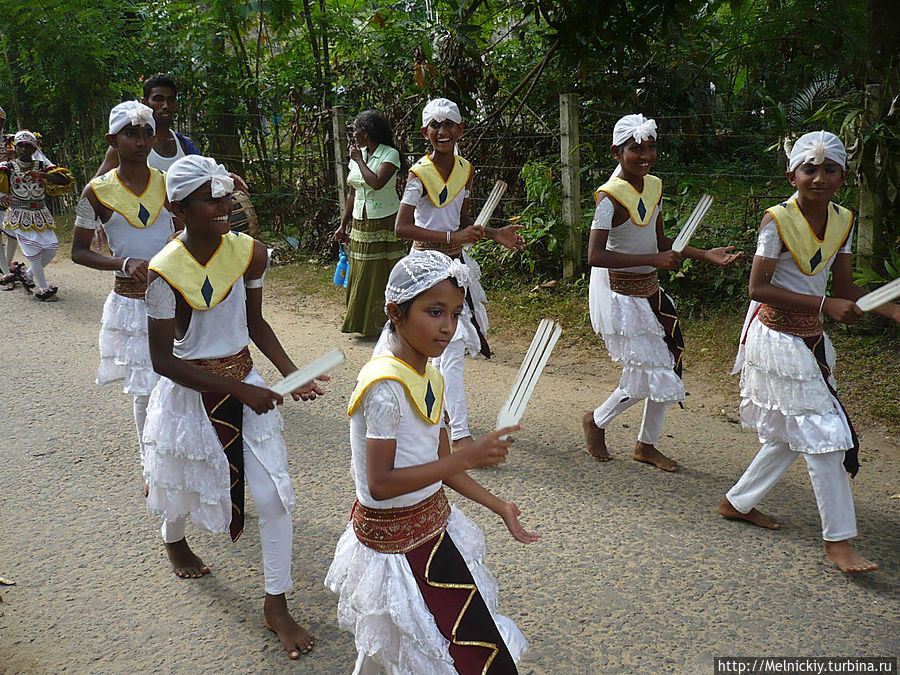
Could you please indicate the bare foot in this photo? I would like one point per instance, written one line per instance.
(146, 487)
(650, 455)
(595, 437)
(758, 518)
(185, 563)
(845, 556)
(294, 638)
(460, 443)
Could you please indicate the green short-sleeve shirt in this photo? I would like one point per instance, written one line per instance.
(377, 203)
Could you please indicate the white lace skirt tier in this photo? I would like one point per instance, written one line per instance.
(380, 603)
(185, 465)
(634, 338)
(124, 347)
(784, 397)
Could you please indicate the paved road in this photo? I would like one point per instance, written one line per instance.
(635, 573)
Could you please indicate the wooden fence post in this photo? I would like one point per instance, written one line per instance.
(571, 183)
(339, 133)
(869, 242)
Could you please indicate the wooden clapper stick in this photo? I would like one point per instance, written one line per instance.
(545, 338)
(879, 296)
(308, 373)
(692, 222)
(493, 199)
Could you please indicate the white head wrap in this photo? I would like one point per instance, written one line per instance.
(130, 112)
(192, 172)
(635, 126)
(440, 109)
(417, 272)
(814, 148)
(25, 137)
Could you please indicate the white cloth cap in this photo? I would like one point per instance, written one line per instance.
(192, 172)
(440, 109)
(633, 126)
(25, 136)
(418, 272)
(130, 112)
(814, 148)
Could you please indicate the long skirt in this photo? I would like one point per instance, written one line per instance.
(374, 250)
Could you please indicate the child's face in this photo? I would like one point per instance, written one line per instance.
(203, 214)
(817, 182)
(430, 323)
(636, 159)
(164, 103)
(24, 151)
(133, 143)
(443, 135)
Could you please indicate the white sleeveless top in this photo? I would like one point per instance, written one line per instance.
(157, 161)
(627, 237)
(220, 331)
(427, 215)
(125, 240)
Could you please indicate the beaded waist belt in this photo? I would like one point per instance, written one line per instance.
(234, 367)
(798, 324)
(130, 288)
(402, 529)
(452, 250)
(638, 285)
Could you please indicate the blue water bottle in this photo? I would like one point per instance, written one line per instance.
(341, 272)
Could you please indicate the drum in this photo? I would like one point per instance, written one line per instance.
(243, 215)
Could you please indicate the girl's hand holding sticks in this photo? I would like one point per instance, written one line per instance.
(510, 514)
(259, 399)
(467, 235)
(488, 450)
(667, 260)
(841, 309)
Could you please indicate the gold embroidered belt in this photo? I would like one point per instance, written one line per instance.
(452, 250)
(637, 285)
(130, 288)
(798, 324)
(401, 529)
(234, 367)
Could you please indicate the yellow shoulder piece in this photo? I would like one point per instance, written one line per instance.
(139, 210)
(426, 392)
(811, 253)
(204, 286)
(439, 192)
(640, 205)
(55, 190)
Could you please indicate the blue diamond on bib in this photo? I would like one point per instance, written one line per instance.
(429, 398)
(642, 210)
(443, 196)
(815, 260)
(836, 209)
(143, 215)
(207, 291)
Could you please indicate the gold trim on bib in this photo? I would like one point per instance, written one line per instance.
(811, 253)
(640, 205)
(425, 391)
(141, 210)
(442, 192)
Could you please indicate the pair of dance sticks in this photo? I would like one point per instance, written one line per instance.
(548, 331)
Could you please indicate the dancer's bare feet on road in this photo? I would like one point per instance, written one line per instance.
(650, 455)
(294, 638)
(461, 443)
(754, 516)
(185, 563)
(842, 554)
(595, 437)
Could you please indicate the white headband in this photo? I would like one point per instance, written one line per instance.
(417, 272)
(635, 126)
(130, 112)
(440, 109)
(814, 148)
(192, 172)
(25, 137)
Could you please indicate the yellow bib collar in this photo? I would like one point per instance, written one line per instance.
(440, 192)
(426, 392)
(811, 253)
(204, 286)
(139, 210)
(640, 205)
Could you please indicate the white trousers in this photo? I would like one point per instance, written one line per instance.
(451, 365)
(140, 416)
(276, 528)
(830, 483)
(619, 402)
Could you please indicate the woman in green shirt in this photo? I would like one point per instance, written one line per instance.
(372, 204)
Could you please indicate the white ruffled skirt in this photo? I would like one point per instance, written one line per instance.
(634, 338)
(124, 346)
(380, 603)
(185, 465)
(784, 397)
